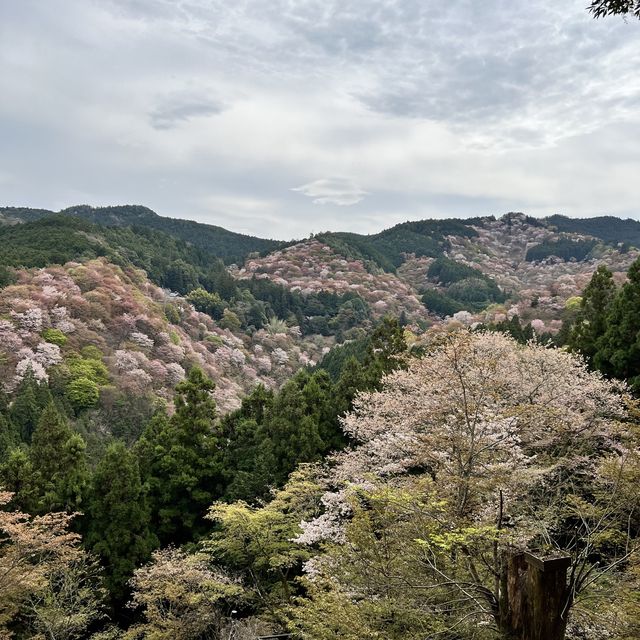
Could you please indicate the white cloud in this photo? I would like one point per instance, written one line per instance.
(340, 191)
(381, 111)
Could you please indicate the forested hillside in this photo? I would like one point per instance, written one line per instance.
(225, 244)
(341, 437)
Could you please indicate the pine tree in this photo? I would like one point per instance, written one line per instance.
(386, 348)
(591, 322)
(291, 431)
(58, 458)
(31, 399)
(9, 437)
(181, 459)
(17, 475)
(247, 463)
(119, 518)
(618, 349)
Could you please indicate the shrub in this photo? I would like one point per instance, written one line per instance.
(82, 393)
(54, 336)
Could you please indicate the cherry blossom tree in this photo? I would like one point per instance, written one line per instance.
(43, 575)
(180, 596)
(502, 447)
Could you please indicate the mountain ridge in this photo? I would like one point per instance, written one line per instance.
(607, 228)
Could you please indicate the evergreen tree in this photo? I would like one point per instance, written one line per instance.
(9, 437)
(270, 435)
(17, 475)
(618, 349)
(247, 463)
(119, 518)
(513, 327)
(291, 429)
(591, 323)
(30, 400)
(181, 460)
(58, 458)
(354, 377)
(385, 350)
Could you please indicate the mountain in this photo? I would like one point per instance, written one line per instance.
(486, 267)
(384, 250)
(134, 341)
(387, 248)
(607, 228)
(169, 261)
(224, 244)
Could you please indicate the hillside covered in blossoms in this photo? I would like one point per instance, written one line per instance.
(329, 437)
(101, 324)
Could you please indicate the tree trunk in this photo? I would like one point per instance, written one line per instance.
(533, 604)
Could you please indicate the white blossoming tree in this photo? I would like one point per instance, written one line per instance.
(473, 471)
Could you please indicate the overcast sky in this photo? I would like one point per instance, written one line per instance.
(283, 117)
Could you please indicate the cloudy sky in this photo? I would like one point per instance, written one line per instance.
(283, 117)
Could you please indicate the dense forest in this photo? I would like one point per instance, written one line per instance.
(225, 244)
(471, 474)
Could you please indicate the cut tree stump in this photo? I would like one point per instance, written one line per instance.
(536, 597)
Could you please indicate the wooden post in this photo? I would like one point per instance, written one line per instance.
(533, 607)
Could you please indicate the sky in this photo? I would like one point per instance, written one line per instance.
(281, 118)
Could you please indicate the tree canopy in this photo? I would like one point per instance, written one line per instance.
(603, 8)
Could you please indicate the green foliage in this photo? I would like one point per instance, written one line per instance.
(82, 393)
(84, 373)
(476, 293)
(271, 433)
(9, 437)
(512, 327)
(171, 313)
(603, 8)
(58, 460)
(180, 462)
(7, 276)
(336, 359)
(49, 241)
(230, 321)
(465, 288)
(564, 248)
(606, 327)
(447, 271)
(17, 475)
(440, 303)
(127, 414)
(386, 249)
(89, 368)
(54, 336)
(30, 399)
(618, 349)
(591, 321)
(210, 303)
(610, 229)
(119, 518)
(248, 457)
(390, 538)
(258, 542)
(215, 240)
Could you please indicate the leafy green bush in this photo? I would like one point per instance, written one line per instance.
(209, 303)
(476, 292)
(93, 370)
(83, 393)
(54, 336)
